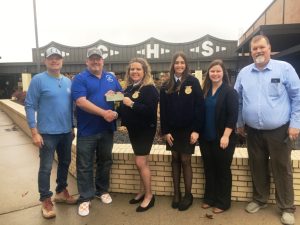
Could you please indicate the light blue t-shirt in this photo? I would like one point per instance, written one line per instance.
(268, 98)
(48, 104)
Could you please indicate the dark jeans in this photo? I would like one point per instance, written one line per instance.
(218, 178)
(101, 144)
(62, 144)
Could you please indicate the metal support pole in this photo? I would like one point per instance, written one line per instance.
(38, 66)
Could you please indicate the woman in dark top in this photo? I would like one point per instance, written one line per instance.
(218, 141)
(139, 114)
(181, 116)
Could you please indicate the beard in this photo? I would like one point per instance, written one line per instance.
(260, 59)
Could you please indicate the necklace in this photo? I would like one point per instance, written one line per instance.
(59, 81)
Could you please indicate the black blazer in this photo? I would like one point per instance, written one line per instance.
(183, 109)
(226, 112)
(143, 114)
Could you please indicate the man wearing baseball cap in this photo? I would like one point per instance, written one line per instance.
(95, 124)
(94, 52)
(48, 106)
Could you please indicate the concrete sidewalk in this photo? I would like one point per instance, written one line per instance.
(19, 162)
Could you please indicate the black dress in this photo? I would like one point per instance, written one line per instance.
(182, 113)
(141, 119)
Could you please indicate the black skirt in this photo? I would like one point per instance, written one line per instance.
(181, 142)
(141, 140)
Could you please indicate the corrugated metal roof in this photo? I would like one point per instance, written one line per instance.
(153, 50)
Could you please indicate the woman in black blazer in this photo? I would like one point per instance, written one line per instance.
(138, 112)
(218, 141)
(181, 116)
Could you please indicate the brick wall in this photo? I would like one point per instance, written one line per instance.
(125, 178)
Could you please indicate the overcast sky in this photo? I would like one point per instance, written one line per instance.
(83, 22)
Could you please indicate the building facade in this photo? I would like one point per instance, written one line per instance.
(199, 53)
(280, 22)
(158, 53)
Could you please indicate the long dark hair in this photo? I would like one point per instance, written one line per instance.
(207, 81)
(171, 82)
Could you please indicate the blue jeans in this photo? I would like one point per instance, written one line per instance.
(101, 144)
(62, 144)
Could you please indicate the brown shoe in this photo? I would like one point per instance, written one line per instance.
(64, 197)
(48, 209)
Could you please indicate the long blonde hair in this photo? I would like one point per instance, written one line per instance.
(147, 79)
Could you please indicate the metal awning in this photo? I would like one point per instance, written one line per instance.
(282, 37)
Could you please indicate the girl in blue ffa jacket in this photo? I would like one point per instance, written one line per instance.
(139, 114)
(181, 116)
(218, 141)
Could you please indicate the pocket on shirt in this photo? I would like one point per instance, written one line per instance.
(275, 90)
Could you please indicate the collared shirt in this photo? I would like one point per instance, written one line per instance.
(177, 82)
(137, 83)
(94, 89)
(177, 78)
(268, 98)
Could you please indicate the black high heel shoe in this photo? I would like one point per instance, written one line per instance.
(135, 201)
(175, 203)
(186, 202)
(150, 205)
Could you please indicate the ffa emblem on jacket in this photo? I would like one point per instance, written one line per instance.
(188, 90)
(136, 94)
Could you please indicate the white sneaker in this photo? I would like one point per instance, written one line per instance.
(106, 198)
(288, 218)
(253, 207)
(84, 208)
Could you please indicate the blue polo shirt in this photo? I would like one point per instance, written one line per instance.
(94, 89)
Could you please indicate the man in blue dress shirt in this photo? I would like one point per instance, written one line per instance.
(269, 113)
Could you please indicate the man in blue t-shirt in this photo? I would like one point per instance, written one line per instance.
(95, 124)
(49, 98)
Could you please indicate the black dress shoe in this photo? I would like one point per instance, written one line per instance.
(175, 203)
(150, 205)
(135, 201)
(186, 202)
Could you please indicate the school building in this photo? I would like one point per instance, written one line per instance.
(280, 22)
